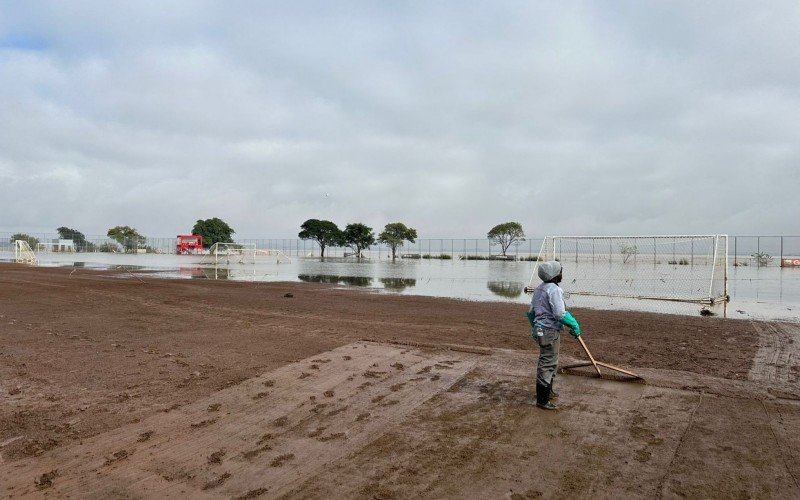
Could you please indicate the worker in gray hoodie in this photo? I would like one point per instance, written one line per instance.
(547, 316)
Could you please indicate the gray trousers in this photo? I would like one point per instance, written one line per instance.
(549, 343)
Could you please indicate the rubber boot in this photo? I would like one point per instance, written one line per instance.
(553, 393)
(543, 397)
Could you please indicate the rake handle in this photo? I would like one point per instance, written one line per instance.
(591, 358)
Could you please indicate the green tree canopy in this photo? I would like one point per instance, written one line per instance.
(358, 237)
(213, 231)
(32, 242)
(506, 234)
(127, 236)
(395, 234)
(324, 232)
(76, 236)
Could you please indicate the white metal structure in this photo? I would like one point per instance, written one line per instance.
(679, 268)
(23, 252)
(282, 257)
(230, 253)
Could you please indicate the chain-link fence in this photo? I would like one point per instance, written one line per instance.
(759, 251)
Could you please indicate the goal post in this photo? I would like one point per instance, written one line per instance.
(680, 268)
(23, 253)
(230, 253)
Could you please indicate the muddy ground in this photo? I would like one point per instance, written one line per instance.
(86, 356)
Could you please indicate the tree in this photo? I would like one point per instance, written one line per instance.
(506, 234)
(358, 237)
(395, 234)
(32, 242)
(762, 259)
(127, 236)
(77, 238)
(324, 232)
(213, 231)
(628, 251)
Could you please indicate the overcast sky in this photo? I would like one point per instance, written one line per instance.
(569, 117)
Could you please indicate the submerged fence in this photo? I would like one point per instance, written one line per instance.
(759, 251)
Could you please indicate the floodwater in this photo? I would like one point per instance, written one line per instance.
(756, 293)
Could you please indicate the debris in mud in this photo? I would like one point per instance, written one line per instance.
(280, 422)
(144, 436)
(362, 416)
(288, 295)
(304, 375)
(391, 402)
(214, 407)
(116, 457)
(320, 360)
(269, 383)
(425, 370)
(435, 378)
(261, 395)
(46, 479)
(328, 394)
(252, 494)
(365, 385)
(347, 358)
(203, 423)
(314, 367)
(378, 399)
(331, 437)
(216, 482)
(372, 374)
(398, 366)
(216, 457)
(397, 387)
(280, 460)
(264, 438)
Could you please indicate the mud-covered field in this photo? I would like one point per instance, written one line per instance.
(113, 385)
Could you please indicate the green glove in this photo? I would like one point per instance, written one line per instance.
(531, 318)
(570, 321)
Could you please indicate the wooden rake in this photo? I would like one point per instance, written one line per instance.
(597, 364)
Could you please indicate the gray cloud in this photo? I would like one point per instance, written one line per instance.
(577, 117)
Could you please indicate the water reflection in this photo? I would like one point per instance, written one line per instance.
(398, 284)
(336, 280)
(507, 289)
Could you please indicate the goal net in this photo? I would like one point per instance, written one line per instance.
(23, 252)
(691, 269)
(230, 253)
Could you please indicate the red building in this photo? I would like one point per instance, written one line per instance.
(189, 244)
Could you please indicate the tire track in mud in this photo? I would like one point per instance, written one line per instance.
(779, 348)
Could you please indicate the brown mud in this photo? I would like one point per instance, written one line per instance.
(159, 382)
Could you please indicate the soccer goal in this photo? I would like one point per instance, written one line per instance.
(281, 258)
(691, 269)
(230, 253)
(23, 253)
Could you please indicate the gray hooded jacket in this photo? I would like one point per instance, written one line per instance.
(548, 298)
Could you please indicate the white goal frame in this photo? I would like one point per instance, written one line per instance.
(654, 264)
(230, 253)
(23, 253)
